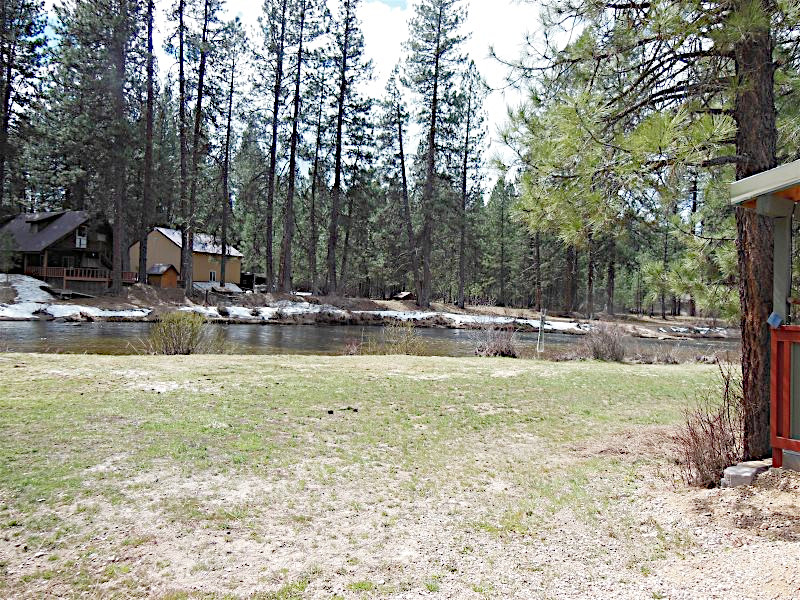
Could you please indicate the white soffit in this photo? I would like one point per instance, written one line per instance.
(769, 182)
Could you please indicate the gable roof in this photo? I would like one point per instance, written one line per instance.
(34, 232)
(160, 269)
(204, 243)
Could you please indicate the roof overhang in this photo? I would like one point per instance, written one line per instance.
(782, 182)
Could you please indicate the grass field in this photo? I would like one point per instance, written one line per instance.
(311, 477)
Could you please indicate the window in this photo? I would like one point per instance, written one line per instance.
(81, 237)
(212, 275)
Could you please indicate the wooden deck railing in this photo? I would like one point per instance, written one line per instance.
(78, 274)
(783, 339)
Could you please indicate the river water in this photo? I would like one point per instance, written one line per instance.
(124, 338)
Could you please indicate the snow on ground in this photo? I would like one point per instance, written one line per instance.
(460, 319)
(32, 300)
(265, 313)
(28, 289)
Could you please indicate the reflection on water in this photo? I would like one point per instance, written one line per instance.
(123, 338)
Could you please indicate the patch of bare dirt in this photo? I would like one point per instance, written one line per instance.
(7, 293)
(350, 304)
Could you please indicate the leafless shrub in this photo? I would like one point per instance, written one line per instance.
(659, 355)
(183, 333)
(496, 341)
(396, 338)
(353, 347)
(604, 342)
(712, 435)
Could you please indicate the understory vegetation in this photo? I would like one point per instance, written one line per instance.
(497, 341)
(711, 437)
(183, 333)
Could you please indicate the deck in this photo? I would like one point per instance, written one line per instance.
(67, 274)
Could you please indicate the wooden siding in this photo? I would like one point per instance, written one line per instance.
(161, 250)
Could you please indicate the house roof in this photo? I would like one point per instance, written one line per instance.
(783, 182)
(160, 269)
(34, 232)
(204, 243)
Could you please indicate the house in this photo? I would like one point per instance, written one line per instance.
(163, 276)
(69, 249)
(164, 248)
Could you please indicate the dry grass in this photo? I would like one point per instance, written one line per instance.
(314, 477)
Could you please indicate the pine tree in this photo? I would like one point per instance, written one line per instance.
(471, 100)
(306, 26)
(351, 67)
(394, 122)
(147, 191)
(235, 43)
(431, 70)
(274, 23)
(22, 41)
(685, 65)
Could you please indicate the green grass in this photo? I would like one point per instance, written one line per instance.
(85, 435)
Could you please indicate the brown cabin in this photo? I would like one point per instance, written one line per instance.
(163, 276)
(69, 249)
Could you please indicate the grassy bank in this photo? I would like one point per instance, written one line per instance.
(296, 477)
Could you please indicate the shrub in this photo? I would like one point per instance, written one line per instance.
(397, 337)
(712, 435)
(402, 337)
(496, 340)
(183, 333)
(353, 347)
(604, 342)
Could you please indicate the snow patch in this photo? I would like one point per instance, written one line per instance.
(32, 300)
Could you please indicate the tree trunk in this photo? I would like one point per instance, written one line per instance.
(412, 246)
(502, 249)
(226, 165)
(285, 272)
(462, 221)
(336, 196)
(313, 234)
(273, 151)
(188, 276)
(754, 112)
(611, 279)
(590, 280)
(569, 279)
(424, 299)
(537, 271)
(119, 43)
(147, 192)
(184, 144)
(346, 247)
(8, 69)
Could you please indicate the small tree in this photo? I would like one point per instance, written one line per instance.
(6, 254)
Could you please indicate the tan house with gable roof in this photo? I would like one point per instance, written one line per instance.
(164, 248)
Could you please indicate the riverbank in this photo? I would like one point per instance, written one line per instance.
(312, 477)
(145, 304)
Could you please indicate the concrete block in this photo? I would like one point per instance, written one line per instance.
(791, 460)
(744, 473)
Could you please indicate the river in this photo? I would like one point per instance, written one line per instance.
(125, 338)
